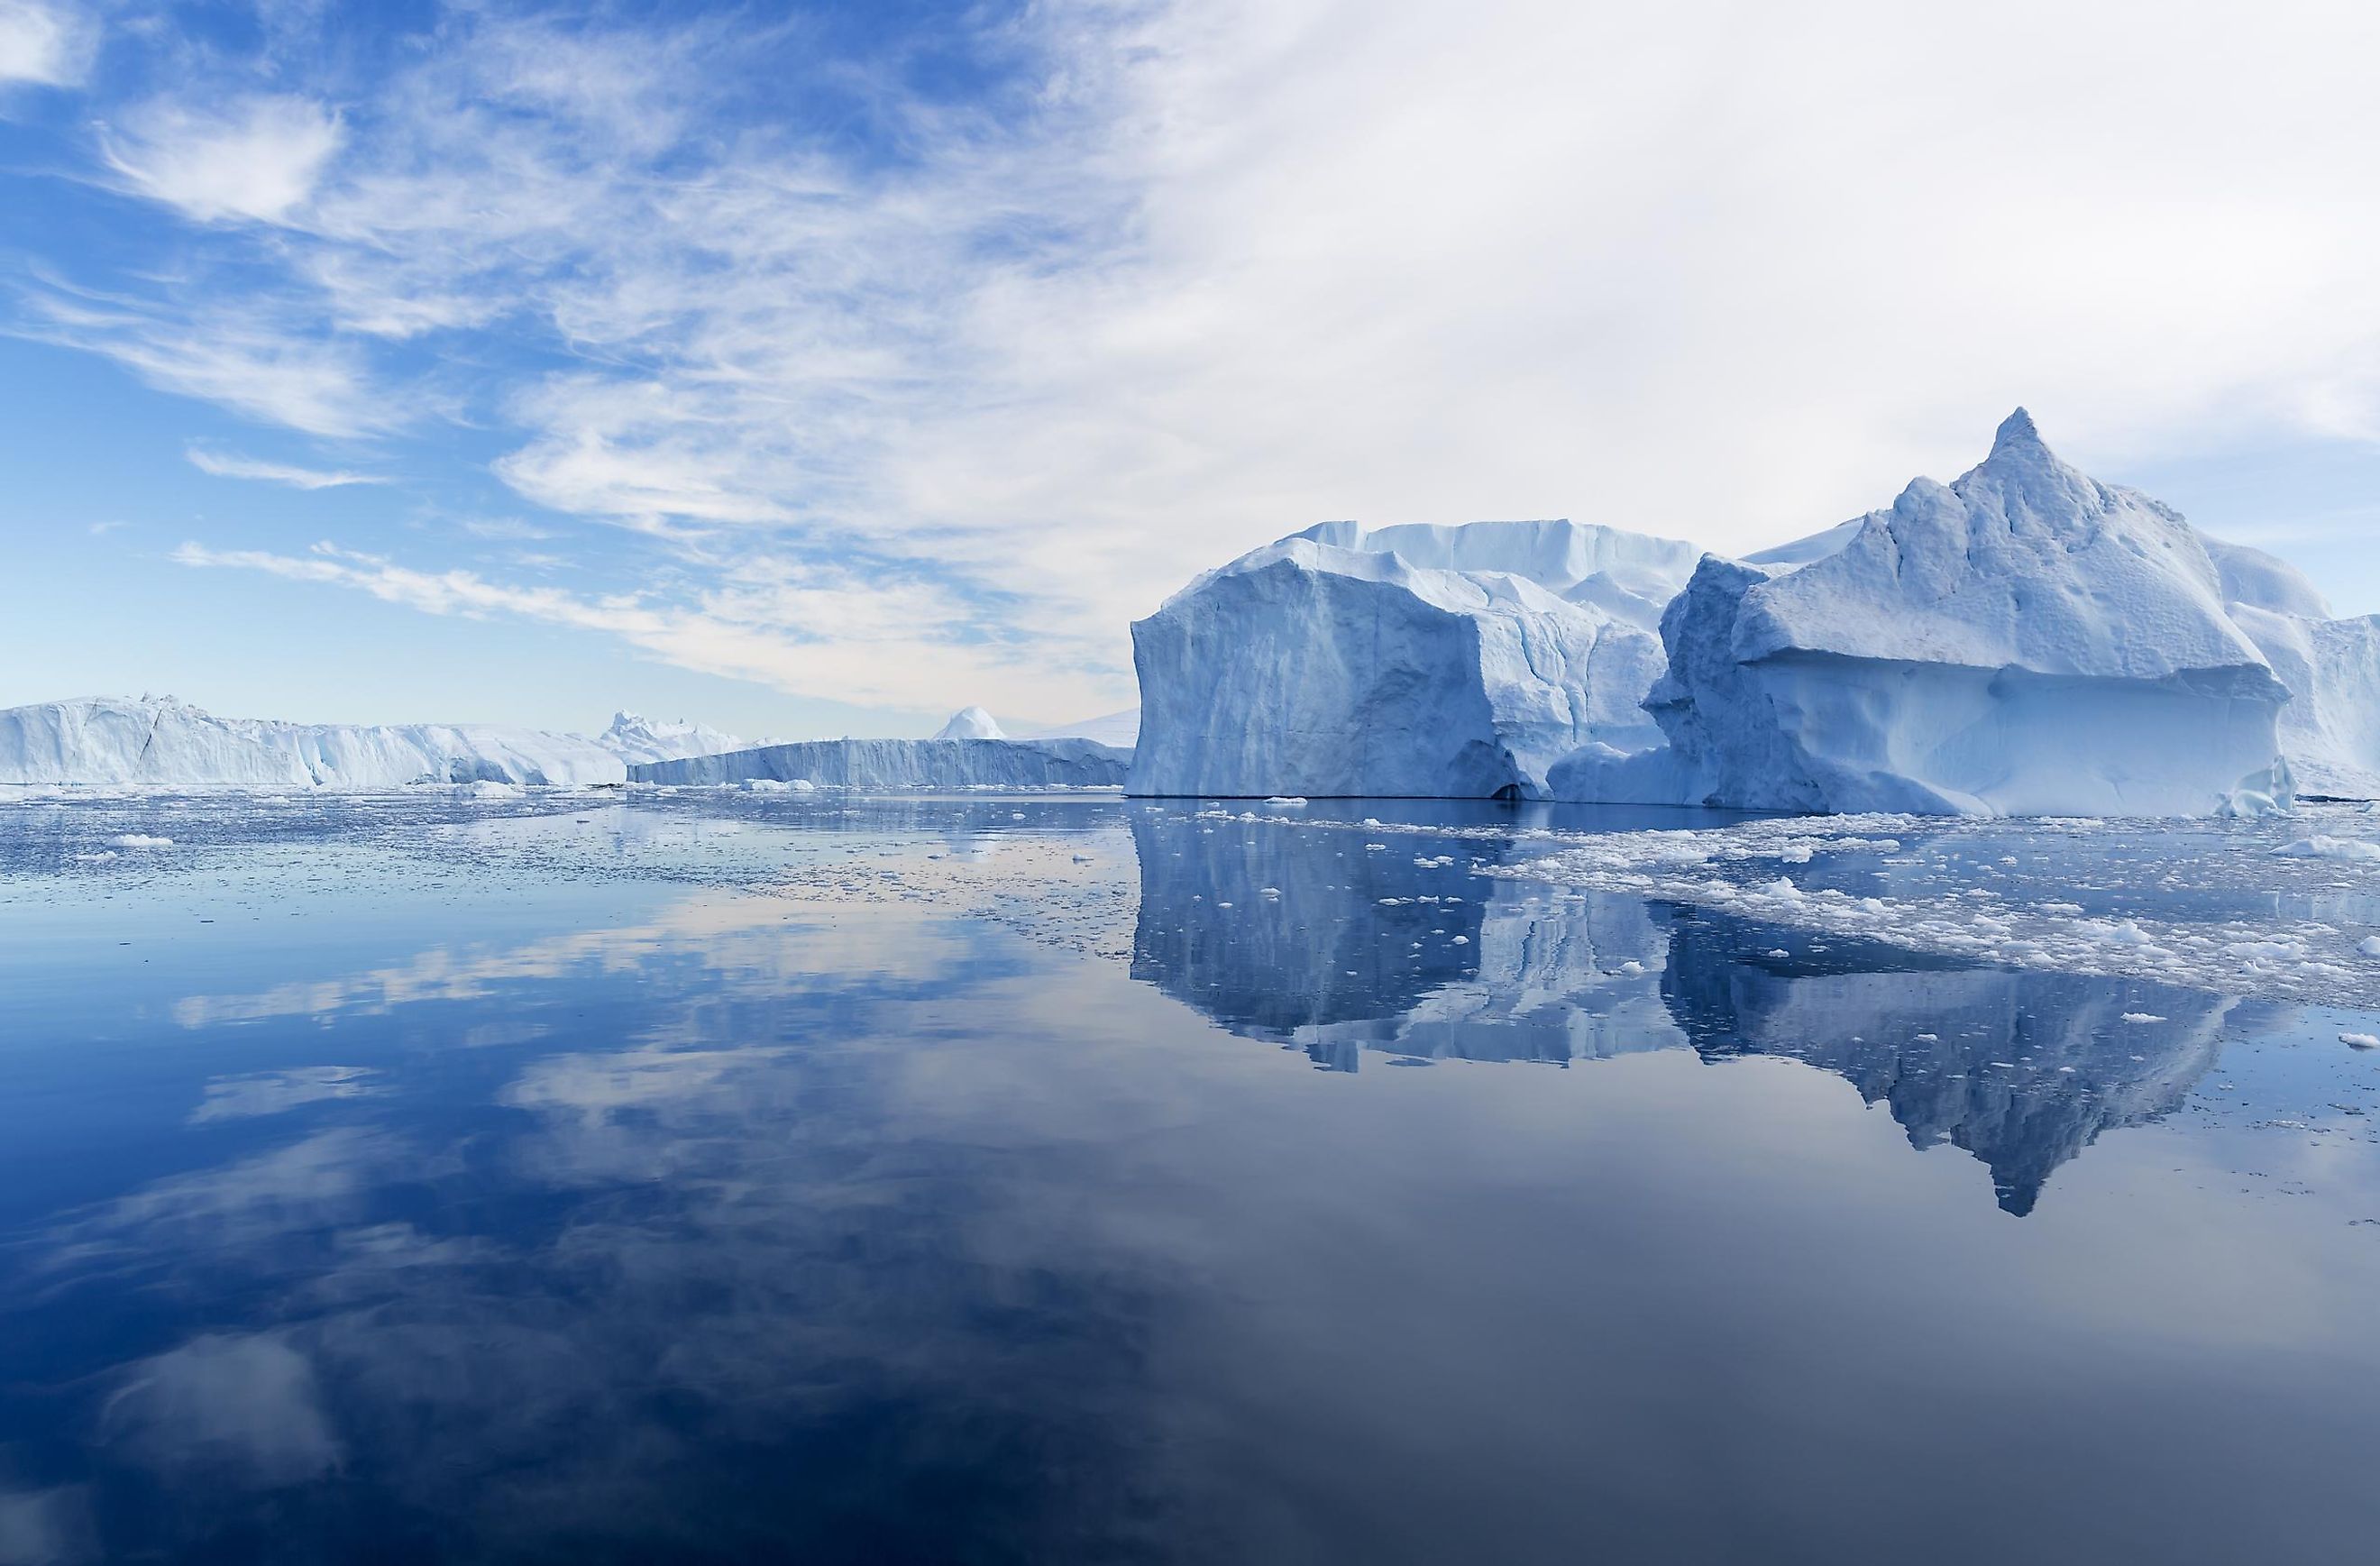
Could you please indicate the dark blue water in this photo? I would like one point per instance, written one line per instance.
(1058, 1179)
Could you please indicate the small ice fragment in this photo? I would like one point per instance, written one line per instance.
(2360, 1040)
(2319, 847)
(2143, 1016)
(140, 839)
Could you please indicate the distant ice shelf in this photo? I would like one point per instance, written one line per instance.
(160, 741)
(905, 763)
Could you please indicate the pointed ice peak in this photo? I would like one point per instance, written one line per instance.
(970, 723)
(2023, 478)
(2016, 430)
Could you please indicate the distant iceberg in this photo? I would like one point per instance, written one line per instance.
(970, 723)
(2023, 640)
(905, 763)
(1423, 661)
(635, 739)
(111, 740)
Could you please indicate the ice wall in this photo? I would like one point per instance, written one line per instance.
(1330, 664)
(109, 740)
(907, 763)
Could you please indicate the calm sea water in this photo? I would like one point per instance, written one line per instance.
(719, 1178)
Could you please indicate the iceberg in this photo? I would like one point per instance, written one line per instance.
(970, 723)
(2023, 640)
(2330, 730)
(158, 740)
(1451, 662)
(634, 738)
(904, 763)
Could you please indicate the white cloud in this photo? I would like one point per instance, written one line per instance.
(256, 157)
(223, 465)
(246, 359)
(44, 46)
(810, 630)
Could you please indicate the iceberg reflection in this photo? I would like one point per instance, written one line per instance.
(1322, 941)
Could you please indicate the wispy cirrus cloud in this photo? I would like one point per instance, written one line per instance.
(246, 357)
(227, 464)
(255, 157)
(798, 626)
(44, 44)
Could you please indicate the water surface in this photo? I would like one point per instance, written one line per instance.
(717, 1177)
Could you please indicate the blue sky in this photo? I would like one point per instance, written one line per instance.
(822, 369)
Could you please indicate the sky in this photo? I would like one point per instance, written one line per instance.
(823, 368)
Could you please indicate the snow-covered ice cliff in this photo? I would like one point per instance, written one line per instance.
(1455, 661)
(905, 763)
(106, 740)
(2023, 640)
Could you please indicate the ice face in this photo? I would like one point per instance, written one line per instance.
(1436, 662)
(106, 740)
(905, 763)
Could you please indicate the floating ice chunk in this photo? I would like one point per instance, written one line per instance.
(2360, 1040)
(2369, 946)
(140, 839)
(2354, 850)
(2143, 1018)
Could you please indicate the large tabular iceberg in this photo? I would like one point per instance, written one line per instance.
(1451, 662)
(905, 763)
(109, 740)
(2023, 640)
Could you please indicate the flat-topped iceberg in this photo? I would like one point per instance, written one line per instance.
(1446, 661)
(2024, 640)
(905, 763)
(112, 740)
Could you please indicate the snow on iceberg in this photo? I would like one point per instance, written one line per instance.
(970, 723)
(2024, 640)
(2330, 730)
(110, 740)
(634, 738)
(905, 763)
(1455, 661)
